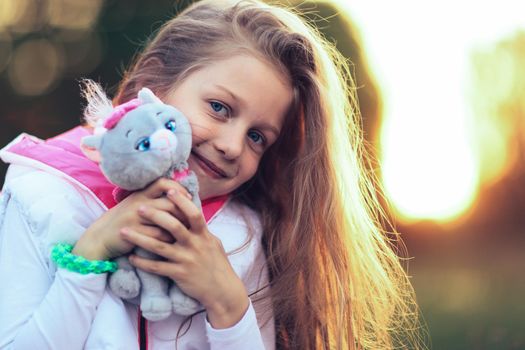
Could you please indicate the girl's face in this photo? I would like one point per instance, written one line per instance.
(236, 108)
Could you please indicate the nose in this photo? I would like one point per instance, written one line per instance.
(163, 140)
(231, 143)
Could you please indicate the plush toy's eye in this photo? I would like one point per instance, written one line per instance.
(170, 125)
(143, 145)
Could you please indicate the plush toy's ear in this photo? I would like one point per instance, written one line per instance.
(147, 96)
(90, 146)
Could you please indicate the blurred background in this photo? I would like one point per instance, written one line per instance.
(442, 94)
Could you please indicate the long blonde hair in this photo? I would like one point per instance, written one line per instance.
(336, 282)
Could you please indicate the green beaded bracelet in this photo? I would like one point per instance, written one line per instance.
(62, 256)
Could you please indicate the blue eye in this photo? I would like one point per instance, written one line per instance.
(216, 106)
(220, 109)
(255, 137)
(170, 125)
(143, 145)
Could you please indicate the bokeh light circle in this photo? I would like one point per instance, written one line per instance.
(35, 67)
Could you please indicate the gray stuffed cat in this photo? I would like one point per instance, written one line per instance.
(139, 142)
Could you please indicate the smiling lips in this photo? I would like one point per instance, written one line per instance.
(209, 166)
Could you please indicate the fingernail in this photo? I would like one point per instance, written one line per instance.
(172, 193)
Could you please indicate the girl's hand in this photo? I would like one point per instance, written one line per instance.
(197, 261)
(102, 241)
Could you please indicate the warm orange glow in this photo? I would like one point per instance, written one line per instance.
(498, 99)
(436, 145)
(428, 168)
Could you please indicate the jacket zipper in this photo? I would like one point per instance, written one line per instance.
(143, 332)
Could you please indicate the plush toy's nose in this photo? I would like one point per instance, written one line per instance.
(163, 140)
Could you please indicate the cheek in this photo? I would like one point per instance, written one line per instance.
(250, 166)
(190, 109)
(200, 133)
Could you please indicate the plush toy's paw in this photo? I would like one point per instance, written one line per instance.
(183, 304)
(155, 308)
(124, 283)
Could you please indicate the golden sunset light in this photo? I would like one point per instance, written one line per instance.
(439, 139)
(418, 229)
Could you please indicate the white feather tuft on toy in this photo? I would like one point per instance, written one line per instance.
(98, 107)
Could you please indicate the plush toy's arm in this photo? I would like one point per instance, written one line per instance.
(155, 302)
(124, 282)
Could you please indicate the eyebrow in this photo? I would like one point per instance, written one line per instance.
(232, 95)
(241, 102)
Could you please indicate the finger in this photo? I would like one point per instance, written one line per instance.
(161, 186)
(158, 267)
(163, 203)
(176, 213)
(157, 233)
(166, 221)
(153, 245)
(192, 214)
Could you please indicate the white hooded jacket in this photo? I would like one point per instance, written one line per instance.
(45, 308)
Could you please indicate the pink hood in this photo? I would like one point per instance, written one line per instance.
(62, 154)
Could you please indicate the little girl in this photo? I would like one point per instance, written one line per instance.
(293, 256)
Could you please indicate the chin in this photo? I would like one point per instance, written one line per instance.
(205, 193)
